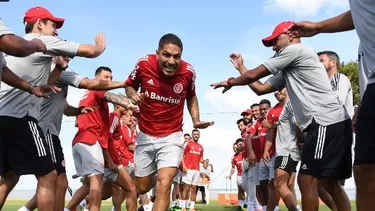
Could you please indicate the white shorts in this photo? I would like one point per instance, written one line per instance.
(110, 175)
(267, 171)
(255, 174)
(177, 178)
(130, 168)
(153, 153)
(88, 159)
(191, 177)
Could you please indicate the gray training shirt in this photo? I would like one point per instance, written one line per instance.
(34, 69)
(363, 13)
(341, 85)
(286, 136)
(3, 31)
(309, 88)
(52, 109)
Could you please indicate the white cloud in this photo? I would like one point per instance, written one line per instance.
(303, 8)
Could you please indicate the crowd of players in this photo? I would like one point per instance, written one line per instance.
(315, 116)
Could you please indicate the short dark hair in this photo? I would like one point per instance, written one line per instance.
(254, 105)
(331, 55)
(170, 39)
(29, 26)
(101, 68)
(265, 101)
(187, 134)
(195, 130)
(239, 140)
(239, 121)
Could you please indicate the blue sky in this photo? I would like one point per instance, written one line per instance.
(210, 31)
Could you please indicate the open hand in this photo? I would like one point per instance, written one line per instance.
(236, 60)
(202, 125)
(303, 29)
(43, 90)
(223, 84)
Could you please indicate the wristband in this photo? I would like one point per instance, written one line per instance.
(30, 88)
(229, 81)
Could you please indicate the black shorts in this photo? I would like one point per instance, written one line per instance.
(327, 151)
(57, 153)
(364, 151)
(23, 147)
(286, 163)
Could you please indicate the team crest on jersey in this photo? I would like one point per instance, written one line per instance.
(178, 88)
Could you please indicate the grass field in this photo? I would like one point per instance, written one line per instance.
(12, 205)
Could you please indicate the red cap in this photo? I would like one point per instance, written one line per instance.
(279, 29)
(247, 111)
(38, 13)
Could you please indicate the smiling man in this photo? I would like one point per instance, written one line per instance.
(166, 82)
(318, 111)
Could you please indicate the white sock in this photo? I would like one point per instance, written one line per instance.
(65, 209)
(192, 203)
(250, 206)
(276, 208)
(83, 203)
(23, 208)
(113, 209)
(264, 208)
(186, 203)
(240, 202)
(85, 209)
(298, 208)
(180, 203)
(183, 204)
(173, 203)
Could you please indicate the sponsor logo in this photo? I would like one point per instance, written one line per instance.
(195, 152)
(154, 96)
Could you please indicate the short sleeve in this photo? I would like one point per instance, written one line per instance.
(232, 161)
(70, 78)
(99, 94)
(283, 59)
(191, 92)
(270, 118)
(59, 47)
(134, 79)
(4, 29)
(277, 81)
(3, 62)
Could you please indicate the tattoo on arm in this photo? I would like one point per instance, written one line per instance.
(193, 108)
(130, 91)
(117, 99)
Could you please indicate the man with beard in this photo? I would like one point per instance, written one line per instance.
(193, 156)
(247, 116)
(166, 82)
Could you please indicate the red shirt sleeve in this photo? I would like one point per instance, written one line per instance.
(191, 92)
(99, 95)
(252, 129)
(134, 79)
(270, 118)
(233, 163)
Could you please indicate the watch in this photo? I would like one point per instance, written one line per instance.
(30, 88)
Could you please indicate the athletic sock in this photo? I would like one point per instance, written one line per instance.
(23, 208)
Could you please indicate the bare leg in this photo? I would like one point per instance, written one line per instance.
(333, 187)
(364, 178)
(7, 183)
(163, 188)
(45, 194)
(308, 186)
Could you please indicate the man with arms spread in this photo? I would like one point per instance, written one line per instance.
(91, 140)
(236, 163)
(21, 109)
(317, 108)
(193, 156)
(166, 82)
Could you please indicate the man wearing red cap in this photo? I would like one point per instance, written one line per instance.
(318, 111)
(26, 152)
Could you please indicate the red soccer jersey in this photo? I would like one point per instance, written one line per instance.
(193, 153)
(161, 113)
(128, 138)
(259, 138)
(237, 160)
(273, 118)
(94, 126)
(115, 139)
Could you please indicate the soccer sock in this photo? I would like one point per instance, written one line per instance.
(113, 209)
(192, 203)
(240, 202)
(264, 208)
(298, 208)
(65, 209)
(180, 203)
(186, 203)
(173, 203)
(276, 208)
(23, 208)
(83, 203)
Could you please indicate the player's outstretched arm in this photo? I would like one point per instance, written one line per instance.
(17, 46)
(118, 100)
(100, 85)
(73, 111)
(93, 51)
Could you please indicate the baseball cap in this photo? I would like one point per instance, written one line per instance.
(36, 13)
(247, 111)
(281, 28)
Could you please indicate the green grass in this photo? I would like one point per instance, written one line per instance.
(12, 205)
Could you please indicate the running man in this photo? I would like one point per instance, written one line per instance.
(21, 109)
(166, 82)
(316, 108)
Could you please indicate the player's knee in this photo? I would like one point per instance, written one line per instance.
(62, 182)
(143, 185)
(10, 179)
(164, 182)
(48, 179)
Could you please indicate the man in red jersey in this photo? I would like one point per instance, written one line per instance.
(114, 170)
(92, 136)
(247, 116)
(166, 82)
(193, 156)
(236, 163)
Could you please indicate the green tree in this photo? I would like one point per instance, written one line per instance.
(350, 69)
